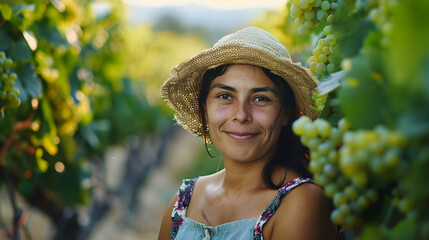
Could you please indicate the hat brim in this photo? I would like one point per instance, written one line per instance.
(181, 90)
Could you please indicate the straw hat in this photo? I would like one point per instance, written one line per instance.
(250, 45)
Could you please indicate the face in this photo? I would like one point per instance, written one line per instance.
(243, 110)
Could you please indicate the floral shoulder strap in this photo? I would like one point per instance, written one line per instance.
(183, 198)
(274, 204)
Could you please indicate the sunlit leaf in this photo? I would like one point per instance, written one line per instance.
(6, 11)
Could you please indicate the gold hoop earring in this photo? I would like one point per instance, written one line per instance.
(220, 161)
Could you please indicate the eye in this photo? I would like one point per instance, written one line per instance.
(224, 96)
(261, 99)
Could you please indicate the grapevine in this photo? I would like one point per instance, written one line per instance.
(308, 14)
(9, 95)
(345, 162)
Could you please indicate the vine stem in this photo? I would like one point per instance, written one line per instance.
(18, 126)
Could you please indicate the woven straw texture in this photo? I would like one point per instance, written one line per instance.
(250, 45)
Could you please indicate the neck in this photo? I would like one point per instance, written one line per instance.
(243, 177)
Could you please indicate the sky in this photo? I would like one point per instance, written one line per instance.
(216, 17)
(215, 4)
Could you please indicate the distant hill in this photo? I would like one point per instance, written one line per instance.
(210, 23)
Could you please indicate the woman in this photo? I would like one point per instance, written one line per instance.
(243, 95)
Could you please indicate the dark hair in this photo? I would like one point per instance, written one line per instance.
(290, 152)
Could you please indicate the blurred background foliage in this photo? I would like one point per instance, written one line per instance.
(78, 84)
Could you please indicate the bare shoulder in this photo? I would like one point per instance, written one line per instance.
(167, 222)
(304, 214)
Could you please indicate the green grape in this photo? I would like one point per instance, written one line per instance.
(320, 68)
(317, 3)
(15, 90)
(315, 167)
(331, 39)
(343, 125)
(317, 52)
(4, 77)
(322, 42)
(323, 58)
(325, 5)
(337, 216)
(330, 18)
(330, 170)
(362, 203)
(308, 24)
(312, 59)
(348, 166)
(360, 179)
(333, 156)
(345, 209)
(323, 127)
(303, 4)
(7, 63)
(330, 68)
(11, 95)
(327, 51)
(310, 130)
(295, 11)
(321, 179)
(16, 102)
(322, 15)
(303, 30)
(298, 125)
(331, 189)
(351, 192)
(336, 136)
(300, 20)
(310, 15)
(8, 84)
(13, 77)
(339, 199)
(313, 66)
(327, 30)
(2, 55)
(334, 5)
(325, 148)
(3, 95)
(391, 158)
(313, 143)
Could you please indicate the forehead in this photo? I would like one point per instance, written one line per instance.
(244, 76)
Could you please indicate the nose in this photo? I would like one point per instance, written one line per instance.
(242, 112)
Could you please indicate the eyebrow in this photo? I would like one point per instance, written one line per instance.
(253, 90)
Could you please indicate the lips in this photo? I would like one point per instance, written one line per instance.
(241, 135)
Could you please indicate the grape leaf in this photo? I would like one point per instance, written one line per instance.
(6, 11)
(30, 82)
(331, 83)
(52, 34)
(6, 41)
(20, 50)
(362, 94)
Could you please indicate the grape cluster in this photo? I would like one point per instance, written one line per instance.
(343, 162)
(8, 94)
(319, 101)
(323, 59)
(380, 13)
(308, 13)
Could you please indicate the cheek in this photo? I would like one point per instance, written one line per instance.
(216, 115)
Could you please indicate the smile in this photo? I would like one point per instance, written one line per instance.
(241, 135)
